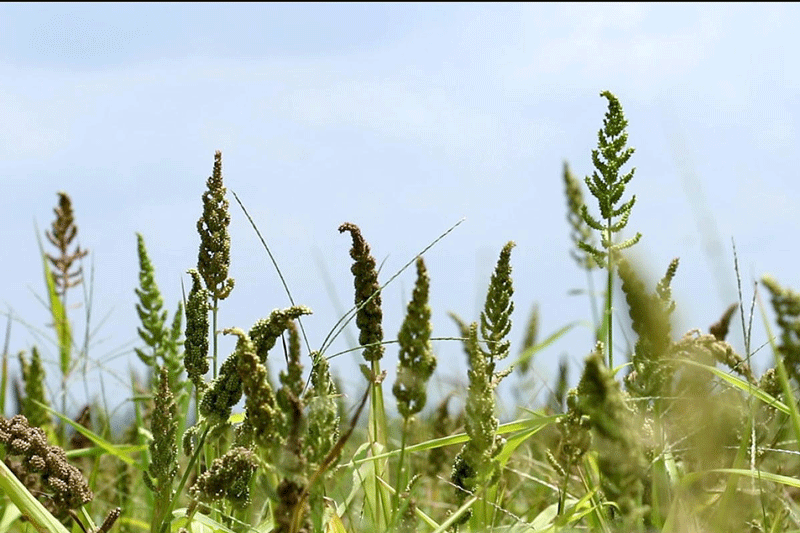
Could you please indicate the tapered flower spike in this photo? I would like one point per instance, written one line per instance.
(163, 449)
(214, 257)
(529, 341)
(369, 316)
(323, 415)
(150, 308)
(61, 236)
(34, 377)
(496, 314)
(196, 344)
(476, 465)
(650, 320)
(720, 328)
(162, 343)
(607, 186)
(786, 304)
(289, 396)
(579, 229)
(621, 459)
(416, 360)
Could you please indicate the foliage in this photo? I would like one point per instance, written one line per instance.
(688, 438)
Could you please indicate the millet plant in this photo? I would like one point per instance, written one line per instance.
(683, 436)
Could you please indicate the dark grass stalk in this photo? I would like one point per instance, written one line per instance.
(59, 279)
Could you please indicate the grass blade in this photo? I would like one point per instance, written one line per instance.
(120, 452)
(37, 515)
(528, 354)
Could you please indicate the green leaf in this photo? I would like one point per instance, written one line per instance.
(754, 474)
(513, 442)
(528, 354)
(37, 515)
(59, 315)
(743, 386)
(537, 422)
(123, 453)
(200, 523)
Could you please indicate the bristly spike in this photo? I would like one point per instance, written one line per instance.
(214, 258)
(369, 317)
(61, 236)
(416, 359)
(607, 186)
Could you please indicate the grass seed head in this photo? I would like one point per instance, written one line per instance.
(196, 344)
(416, 359)
(369, 317)
(214, 257)
(69, 487)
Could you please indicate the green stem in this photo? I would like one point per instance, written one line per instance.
(64, 372)
(609, 296)
(400, 481)
(378, 433)
(200, 446)
(214, 334)
(562, 493)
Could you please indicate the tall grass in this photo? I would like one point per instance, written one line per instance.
(681, 437)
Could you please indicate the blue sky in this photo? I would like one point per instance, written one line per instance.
(403, 119)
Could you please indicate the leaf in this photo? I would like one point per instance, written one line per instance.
(37, 515)
(120, 452)
(528, 353)
(59, 316)
(200, 523)
(537, 422)
(743, 385)
(755, 474)
(335, 525)
(513, 442)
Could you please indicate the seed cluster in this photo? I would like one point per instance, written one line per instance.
(228, 477)
(70, 489)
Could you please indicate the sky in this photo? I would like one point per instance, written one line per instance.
(403, 119)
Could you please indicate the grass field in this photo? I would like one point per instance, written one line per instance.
(674, 434)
